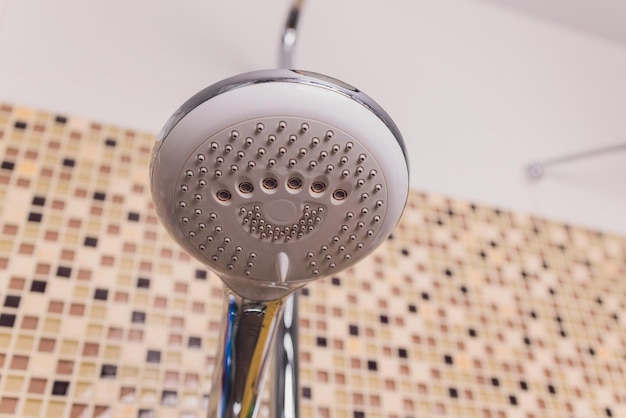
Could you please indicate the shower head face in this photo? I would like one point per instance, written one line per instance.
(279, 179)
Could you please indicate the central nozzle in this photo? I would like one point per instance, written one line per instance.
(282, 211)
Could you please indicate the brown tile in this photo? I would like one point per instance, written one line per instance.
(17, 283)
(30, 322)
(37, 386)
(55, 306)
(78, 411)
(46, 345)
(65, 367)
(91, 349)
(19, 362)
(8, 405)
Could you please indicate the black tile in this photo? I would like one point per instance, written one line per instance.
(384, 319)
(110, 142)
(448, 359)
(195, 342)
(359, 414)
(335, 281)
(523, 385)
(60, 119)
(133, 216)
(99, 196)
(201, 274)
(551, 389)
(608, 412)
(306, 392)
(405, 252)
(304, 291)
(495, 381)
(108, 371)
(60, 387)
(63, 271)
(7, 320)
(12, 301)
(321, 342)
(425, 296)
(472, 332)
(34, 217)
(153, 356)
(39, 200)
(412, 308)
(146, 413)
(372, 365)
(169, 398)
(20, 125)
(512, 400)
(69, 162)
(38, 286)
(101, 294)
(7, 165)
(90, 242)
(138, 317)
(453, 393)
(402, 353)
(448, 272)
(354, 330)
(143, 283)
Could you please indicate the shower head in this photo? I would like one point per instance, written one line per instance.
(277, 177)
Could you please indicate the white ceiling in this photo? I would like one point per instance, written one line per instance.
(479, 88)
(605, 18)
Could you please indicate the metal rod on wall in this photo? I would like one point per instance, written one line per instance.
(536, 170)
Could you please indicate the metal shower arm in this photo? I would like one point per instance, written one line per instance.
(290, 35)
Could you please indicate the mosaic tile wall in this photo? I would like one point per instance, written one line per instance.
(466, 311)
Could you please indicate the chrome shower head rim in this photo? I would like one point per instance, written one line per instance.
(226, 122)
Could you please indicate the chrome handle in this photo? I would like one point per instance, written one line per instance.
(246, 335)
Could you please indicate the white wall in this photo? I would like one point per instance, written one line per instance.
(478, 90)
